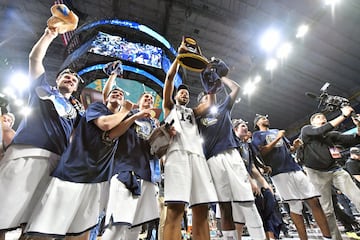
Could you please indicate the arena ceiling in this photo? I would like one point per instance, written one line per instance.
(228, 29)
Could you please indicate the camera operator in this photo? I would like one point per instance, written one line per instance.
(320, 161)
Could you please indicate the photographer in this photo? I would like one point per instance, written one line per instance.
(320, 161)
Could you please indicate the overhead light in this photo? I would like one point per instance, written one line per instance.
(20, 81)
(269, 40)
(271, 64)
(257, 79)
(18, 102)
(302, 30)
(331, 2)
(25, 111)
(10, 92)
(284, 50)
(249, 88)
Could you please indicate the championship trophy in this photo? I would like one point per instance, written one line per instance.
(191, 57)
(62, 18)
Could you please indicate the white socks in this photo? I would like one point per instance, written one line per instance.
(230, 235)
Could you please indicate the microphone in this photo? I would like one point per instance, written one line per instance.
(311, 95)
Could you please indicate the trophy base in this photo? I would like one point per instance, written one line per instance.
(192, 61)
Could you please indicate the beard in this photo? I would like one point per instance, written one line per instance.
(182, 102)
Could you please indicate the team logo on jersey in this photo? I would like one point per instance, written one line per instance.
(208, 121)
(271, 137)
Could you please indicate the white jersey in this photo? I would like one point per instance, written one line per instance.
(187, 136)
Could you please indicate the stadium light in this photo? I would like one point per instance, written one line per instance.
(271, 64)
(269, 40)
(302, 30)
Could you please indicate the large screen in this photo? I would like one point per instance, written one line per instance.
(115, 46)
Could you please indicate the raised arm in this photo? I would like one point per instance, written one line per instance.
(108, 85)
(112, 69)
(234, 87)
(38, 52)
(168, 90)
(315, 130)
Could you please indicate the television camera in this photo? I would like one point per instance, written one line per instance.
(329, 102)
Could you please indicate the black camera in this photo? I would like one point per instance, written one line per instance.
(331, 103)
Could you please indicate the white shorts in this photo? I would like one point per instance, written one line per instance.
(294, 186)
(188, 179)
(230, 177)
(125, 209)
(67, 208)
(23, 181)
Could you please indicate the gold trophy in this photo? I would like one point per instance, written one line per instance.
(191, 58)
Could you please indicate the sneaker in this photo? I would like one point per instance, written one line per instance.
(353, 235)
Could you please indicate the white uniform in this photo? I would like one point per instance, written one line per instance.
(25, 175)
(187, 176)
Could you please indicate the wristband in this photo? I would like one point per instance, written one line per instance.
(344, 116)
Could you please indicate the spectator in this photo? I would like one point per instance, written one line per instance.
(344, 213)
(352, 165)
